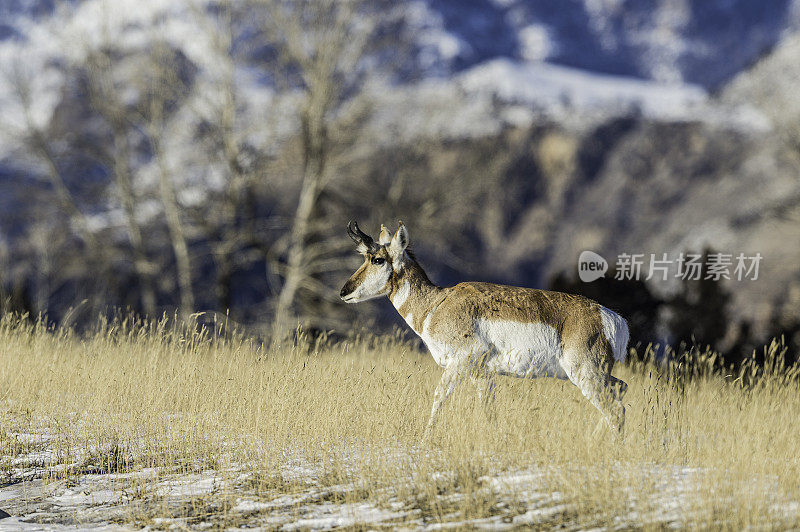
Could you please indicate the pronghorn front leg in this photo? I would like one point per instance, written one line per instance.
(485, 386)
(450, 378)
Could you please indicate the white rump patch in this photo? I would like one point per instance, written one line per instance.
(521, 349)
(615, 329)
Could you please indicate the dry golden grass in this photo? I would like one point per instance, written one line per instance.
(156, 411)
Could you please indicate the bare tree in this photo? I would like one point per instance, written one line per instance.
(4, 267)
(280, 191)
(37, 140)
(52, 239)
(105, 98)
(226, 237)
(163, 87)
(323, 41)
(228, 220)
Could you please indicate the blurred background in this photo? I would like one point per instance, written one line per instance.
(203, 156)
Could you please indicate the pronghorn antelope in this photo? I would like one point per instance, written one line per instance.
(483, 329)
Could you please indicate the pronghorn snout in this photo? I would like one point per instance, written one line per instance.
(344, 293)
(348, 291)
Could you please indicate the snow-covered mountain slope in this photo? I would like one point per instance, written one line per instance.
(484, 99)
(771, 86)
(704, 42)
(656, 57)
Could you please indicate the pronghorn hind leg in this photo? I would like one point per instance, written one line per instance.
(602, 390)
(613, 391)
(617, 386)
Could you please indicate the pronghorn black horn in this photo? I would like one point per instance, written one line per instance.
(359, 236)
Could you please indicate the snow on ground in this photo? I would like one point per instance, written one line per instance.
(112, 502)
(198, 498)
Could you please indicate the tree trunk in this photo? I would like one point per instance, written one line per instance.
(63, 194)
(177, 236)
(296, 257)
(314, 152)
(224, 275)
(96, 255)
(128, 200)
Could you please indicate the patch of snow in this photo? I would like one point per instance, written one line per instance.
(328, 515)
(95, 499)
(562, 88)
(436, 45)
(191, 485)
(16, 524)
(83, 497)
(536, 43)
(247, 506)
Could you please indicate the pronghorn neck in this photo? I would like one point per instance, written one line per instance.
(413, 294)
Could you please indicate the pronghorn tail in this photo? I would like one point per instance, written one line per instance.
(616, 331)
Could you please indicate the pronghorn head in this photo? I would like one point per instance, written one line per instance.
(381, 261)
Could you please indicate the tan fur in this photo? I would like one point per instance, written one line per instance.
(455, 309)
(449, 317)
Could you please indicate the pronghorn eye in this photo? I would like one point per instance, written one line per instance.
(378, 260)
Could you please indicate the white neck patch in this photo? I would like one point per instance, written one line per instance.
(401, 295)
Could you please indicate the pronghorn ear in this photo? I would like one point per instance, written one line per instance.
(385, 237)
(398, 244)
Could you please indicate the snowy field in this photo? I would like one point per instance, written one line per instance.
(154, 427)
(155, 498)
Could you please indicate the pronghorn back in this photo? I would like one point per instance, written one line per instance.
(503, 322)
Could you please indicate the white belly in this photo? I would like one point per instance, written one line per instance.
(521, 349)
(505, 347)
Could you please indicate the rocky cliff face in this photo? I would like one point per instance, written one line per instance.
(686, 187)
